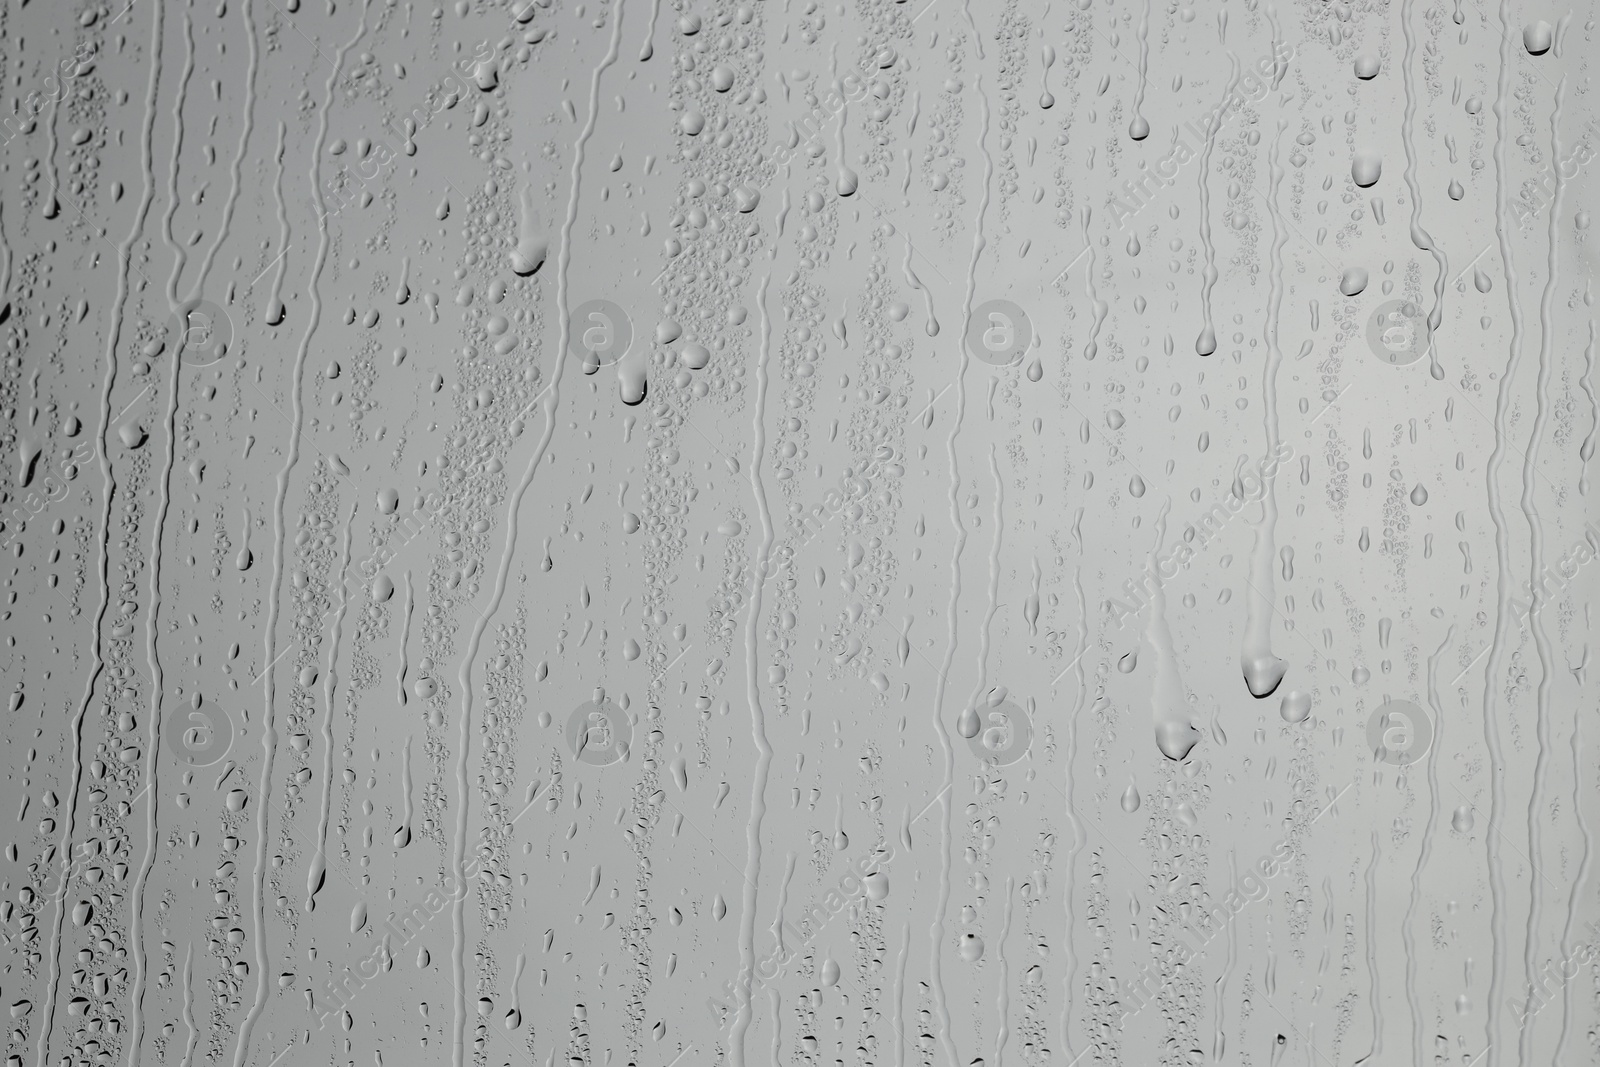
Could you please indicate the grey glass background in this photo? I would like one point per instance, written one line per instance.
(647, 533)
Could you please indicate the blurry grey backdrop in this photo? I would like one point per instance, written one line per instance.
(666, 532)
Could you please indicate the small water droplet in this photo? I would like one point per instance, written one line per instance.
(967, 725)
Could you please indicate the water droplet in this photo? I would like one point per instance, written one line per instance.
(1353, 281)
(1366, 167)
(967, 725)
(1263, 673)
(1537, 37)
(1176, 739)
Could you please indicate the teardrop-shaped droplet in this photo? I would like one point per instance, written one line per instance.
(1419, 495)
(1366, 168)
(1263, 673)
(1296, 706)
(1481, 281)
(1130, 799)
(967, 725)
(1353, 281)
(1176, 739)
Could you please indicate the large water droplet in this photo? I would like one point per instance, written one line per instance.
(1176, 739)
(1263, 673)
(1366, 167)
(1537, 37)
(1353, 281)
